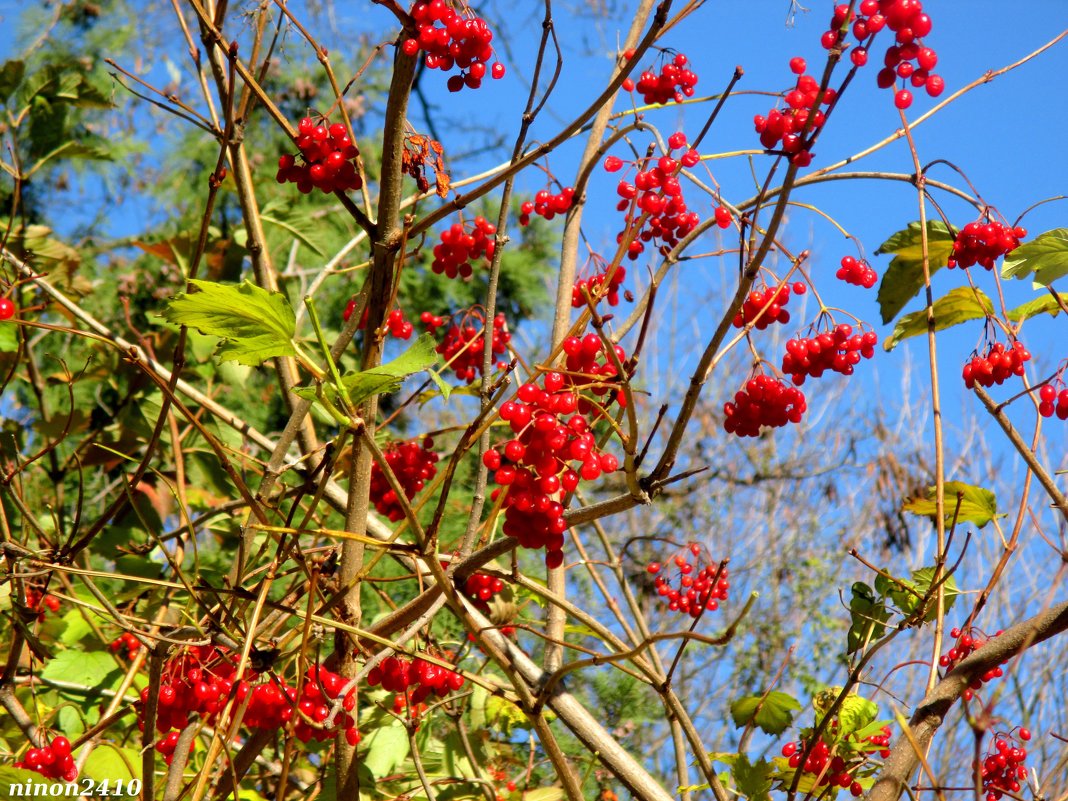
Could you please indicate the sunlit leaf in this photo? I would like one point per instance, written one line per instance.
(955, 307)
(977, 505)
(1045, 256)
(771, 713)
(903, 279)
(254, 324)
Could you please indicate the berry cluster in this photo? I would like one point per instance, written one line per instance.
(413, 464)
(463, 342)
(753, 309)
(786, 126)
(996, 365)
(984, 241)
(395, 322)
(1053, 402)
(125, 642)
(594, 286)
(40, 602)
(201, 680)
(857, 272)
(53, 761)
(696, 591)
(416, 679)
(481, 587)
(676, 81)
(1003, 768)
(534, 467)
(968, 641)
(586, 361)
(835, 771)
(452, 256)
(462, 40)
(764, 401)
(329, 159)
(547, 205)
(839, 350)
(656, 194)
(7, 308)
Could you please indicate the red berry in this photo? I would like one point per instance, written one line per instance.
(7, 309)
(903, 99)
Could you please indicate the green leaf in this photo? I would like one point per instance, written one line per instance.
(504, 715)
(903, 279)
(92, 151)
(295, 225)
(753, 781)
(771, 713)
(12, 778)
(9, 340)
(855, 713)
(1033, 308)
(108, 763)
(977, 505)
(922, 579)
(955, 307)
(89, 670)
(784, 775)
(254, 324)
(10, 77)
(867, 614)
(387, 748)
(384, 379)
(1046, 256)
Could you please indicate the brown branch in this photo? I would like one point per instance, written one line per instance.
(932, 710)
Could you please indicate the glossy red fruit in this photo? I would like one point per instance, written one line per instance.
(7, 309)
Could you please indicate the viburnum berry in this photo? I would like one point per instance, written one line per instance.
(41, 602)
(1053, 399)
(464, 339)
(328, 156)
(655, 198)
(763, 401)
(604, 283)
(453, 255)
(452, 38)
(52, 760)
(841, 768)
(413, 464)
(984, 241)
(690, 591)
(908, 58)
(839, 350)
(996, 365)
(396, 325)
(125, 642)
(676, 81)
(415, 679)
(857, 272)
(547, 205)
(589, 365)
(786, 126)
(764, 307)
(553, 449)
(201, 679)
(7, 308)
(1002, 769)
(723, 217)
(967, 641)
